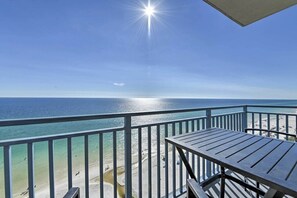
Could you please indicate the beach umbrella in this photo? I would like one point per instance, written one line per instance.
(245, 12)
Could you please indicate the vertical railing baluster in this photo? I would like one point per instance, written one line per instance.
(193, 156)
(115, 171)
(140, 162)
(7, 171)
(149, 139)
(158, 163)
(166, 164)
(236, 122)
(260, 122)
(198, 158)
(203, 123)
(51, 168)
(231, 121)
(86, 143)
(198, 169)
(277, 125)
(180, 163)
(208, 125)
(287, 126)
(208, 118)
(233, 116)
(198, 124)
(69, 162)
(228, 122)
(187, 152)
(217, 121)
(31, 181)
(268, 124)
(239, 122)
(203, 169)
(101, 160)
(128, 160)
(173, 164)
(221, 126)
(296, 127)
(213, 168)
(253, 123)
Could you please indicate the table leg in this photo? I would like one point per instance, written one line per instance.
(258, 186)
(223, 176)
(186, 163)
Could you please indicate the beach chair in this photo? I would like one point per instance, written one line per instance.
(269, 132)
(194, 190)
(72, 193)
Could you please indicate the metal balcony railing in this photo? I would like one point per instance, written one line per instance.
(137, 149)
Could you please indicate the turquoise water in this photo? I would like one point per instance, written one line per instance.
(17, 108)
(12, 108)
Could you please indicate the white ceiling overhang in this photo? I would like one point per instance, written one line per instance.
(245, 12)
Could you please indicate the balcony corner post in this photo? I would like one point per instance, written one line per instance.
(128, 153)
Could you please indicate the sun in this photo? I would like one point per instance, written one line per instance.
(149, 10)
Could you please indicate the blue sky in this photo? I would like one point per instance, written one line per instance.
(63, 48)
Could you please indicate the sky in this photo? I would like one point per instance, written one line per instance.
(75, 48)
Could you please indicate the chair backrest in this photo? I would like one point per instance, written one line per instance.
(73, 193)
(293, 136)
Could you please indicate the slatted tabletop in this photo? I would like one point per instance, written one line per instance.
(270, 161)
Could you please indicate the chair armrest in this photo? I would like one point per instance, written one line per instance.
(72, 193)
(194, 190)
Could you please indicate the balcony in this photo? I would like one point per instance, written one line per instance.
(117, 155)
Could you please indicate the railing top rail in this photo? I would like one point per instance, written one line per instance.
(272, 113)
(47, 120)
(167, 122)
(273, 106)
(57, 136)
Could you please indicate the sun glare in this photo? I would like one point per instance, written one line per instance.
(149, 11)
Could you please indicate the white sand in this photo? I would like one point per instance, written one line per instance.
(78, 180)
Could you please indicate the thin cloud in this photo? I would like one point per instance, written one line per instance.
(118, 84)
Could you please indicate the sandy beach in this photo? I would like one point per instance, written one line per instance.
(79, 181)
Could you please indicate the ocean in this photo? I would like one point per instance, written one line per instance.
(19, 108)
